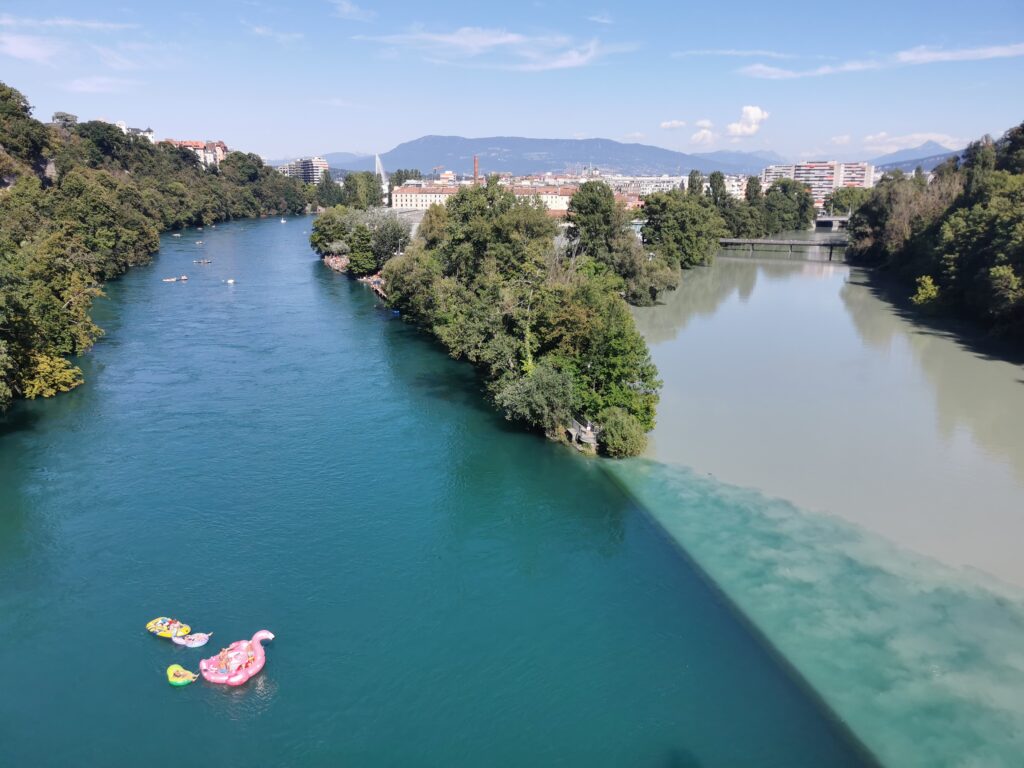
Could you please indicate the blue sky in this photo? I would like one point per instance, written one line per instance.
(807, 79)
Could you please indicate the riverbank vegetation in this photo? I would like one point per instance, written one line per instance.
(363, 239)
(958, 240)
(80, 204)
(683, 227)
(546, 326)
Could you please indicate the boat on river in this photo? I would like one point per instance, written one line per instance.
(202, 261)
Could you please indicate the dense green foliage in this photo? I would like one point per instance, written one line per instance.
(94, 211)
(959, 238)
(361, 189)
(602, 240)
(550, 333)
(329, 192)
(846, 200)
(684, 228)
(367, 239)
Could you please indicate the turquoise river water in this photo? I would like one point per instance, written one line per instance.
(282, 453)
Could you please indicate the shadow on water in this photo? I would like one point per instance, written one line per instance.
(968, 391)
(864, 754)
(966, 334)
(20, 418)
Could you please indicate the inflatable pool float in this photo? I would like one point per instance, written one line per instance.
(238, 662)
(177, 675)
(195, 640)
(165, 627)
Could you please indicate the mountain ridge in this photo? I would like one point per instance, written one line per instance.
(521, 156)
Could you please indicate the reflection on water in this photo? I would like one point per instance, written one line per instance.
(972, 391)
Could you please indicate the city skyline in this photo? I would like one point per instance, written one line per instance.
(334, 76)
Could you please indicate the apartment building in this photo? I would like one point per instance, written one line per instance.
(309, 170)
(822, 176)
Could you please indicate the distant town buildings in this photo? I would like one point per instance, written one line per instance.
(419, 195)
(556, 190)
(142, 133)
(643, 185)
(823, 177)
(309, 170)
(210, 153)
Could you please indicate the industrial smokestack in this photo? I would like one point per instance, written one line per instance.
(476, 170)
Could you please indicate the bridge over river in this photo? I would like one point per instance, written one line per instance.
(806, 249)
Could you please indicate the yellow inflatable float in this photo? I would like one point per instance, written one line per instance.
(166, 627)
(178, 675)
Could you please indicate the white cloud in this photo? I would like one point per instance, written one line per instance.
(765, 72)
(40, 50)
(704, 124)
(749, 122)
(351, 11)
(882, 143)
(499, 48)
(670, 125)
(840, 141)
(6, 20)
(911, 57)
(734, 52)
(703, 136)
(925, 55)
(100, 84)
(567, 59)
(281, 37)
(600, 18)
(634, 136)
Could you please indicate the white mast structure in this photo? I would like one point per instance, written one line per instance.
(378, 169)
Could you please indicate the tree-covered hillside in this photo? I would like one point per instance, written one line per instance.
(80, 205)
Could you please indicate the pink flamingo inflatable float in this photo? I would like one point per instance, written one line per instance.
(238, 662)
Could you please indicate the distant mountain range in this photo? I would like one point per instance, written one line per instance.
(928, 156)
(520, 156)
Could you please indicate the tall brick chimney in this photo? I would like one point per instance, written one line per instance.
(476, 170)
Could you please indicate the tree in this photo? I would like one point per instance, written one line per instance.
(716, 189)
(594, 222)
(695, 183)
(361, 189)
(753, 193)
(621, 434)
(328, 192)
(683, 229)
(432, 227)
(402, 175)
(552, 337)
(1010, 150)
(845, 200)
(788, 205)
(544, 397)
